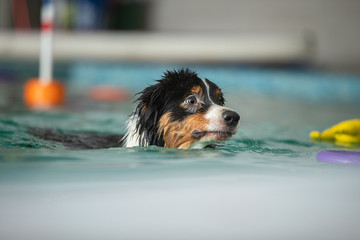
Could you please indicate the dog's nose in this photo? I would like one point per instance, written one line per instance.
(231, 118)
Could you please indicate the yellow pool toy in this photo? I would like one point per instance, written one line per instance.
(343, 132)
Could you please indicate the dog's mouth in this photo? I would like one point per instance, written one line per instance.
(212, 135)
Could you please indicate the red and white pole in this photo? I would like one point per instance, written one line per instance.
(46, 41)
(44, 92)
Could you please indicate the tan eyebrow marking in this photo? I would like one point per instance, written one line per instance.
(218, 93)
(197, 90)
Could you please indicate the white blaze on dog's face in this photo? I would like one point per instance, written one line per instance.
(223, 121)
(181, 111)
(201, 119)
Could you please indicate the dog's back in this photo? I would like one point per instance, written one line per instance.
(79, 140)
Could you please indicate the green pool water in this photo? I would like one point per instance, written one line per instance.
(264, 183)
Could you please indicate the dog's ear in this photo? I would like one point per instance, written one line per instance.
(150, 108)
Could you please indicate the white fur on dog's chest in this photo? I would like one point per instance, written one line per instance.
(132, 137)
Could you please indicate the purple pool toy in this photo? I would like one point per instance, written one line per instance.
(339, 156)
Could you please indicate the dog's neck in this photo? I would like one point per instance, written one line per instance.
(134, 137)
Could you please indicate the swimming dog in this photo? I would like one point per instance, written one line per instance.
(180, 111)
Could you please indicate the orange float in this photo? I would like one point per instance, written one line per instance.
(41, 94)
(109, 94)
(44, 92)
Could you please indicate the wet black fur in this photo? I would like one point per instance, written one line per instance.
(166, 96)
(79, 140)
(154, 101)
(158, 99)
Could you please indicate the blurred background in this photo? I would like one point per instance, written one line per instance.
(303, 50)
(320, 33)
(286, 66)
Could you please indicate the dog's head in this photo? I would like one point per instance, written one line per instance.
(181, 111)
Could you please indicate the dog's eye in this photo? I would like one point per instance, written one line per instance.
(191, 100)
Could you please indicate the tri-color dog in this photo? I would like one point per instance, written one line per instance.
(180, 111)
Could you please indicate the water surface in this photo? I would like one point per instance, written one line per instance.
(265, 182)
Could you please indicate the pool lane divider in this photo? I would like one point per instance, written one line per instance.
(45, 92)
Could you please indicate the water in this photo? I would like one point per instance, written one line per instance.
(264, 183)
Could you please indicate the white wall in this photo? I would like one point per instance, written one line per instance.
(5, 14)
(335, 23)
